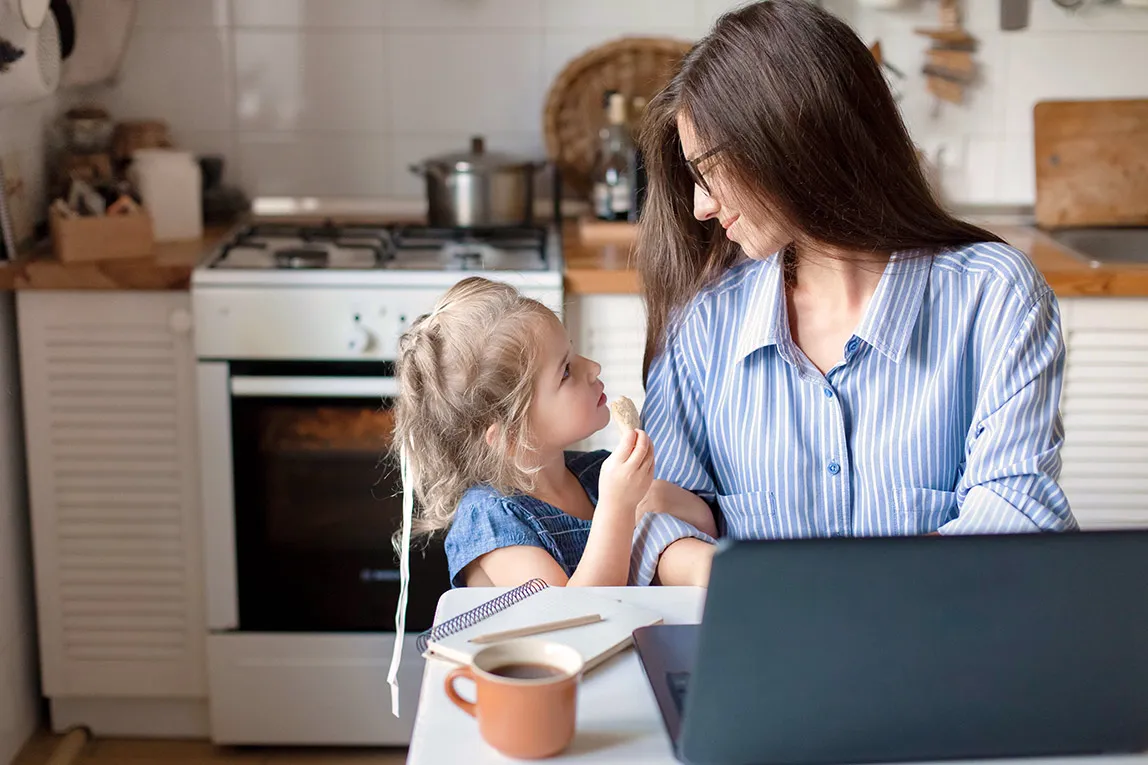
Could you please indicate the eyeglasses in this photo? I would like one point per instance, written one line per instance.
(696, 173)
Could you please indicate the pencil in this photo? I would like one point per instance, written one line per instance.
(536, 629)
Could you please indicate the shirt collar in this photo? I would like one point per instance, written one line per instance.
(766, 322)
(893, 310)
(887, 324)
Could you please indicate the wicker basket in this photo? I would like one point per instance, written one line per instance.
(636, 66)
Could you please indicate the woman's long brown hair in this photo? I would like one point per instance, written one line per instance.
(808, 131)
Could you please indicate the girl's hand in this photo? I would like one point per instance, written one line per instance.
(628, 472)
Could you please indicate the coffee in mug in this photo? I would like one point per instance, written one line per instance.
(522, 671)
(525, 695)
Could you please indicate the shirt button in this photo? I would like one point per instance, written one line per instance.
(852, 345)
(834, 468)
(828, 393)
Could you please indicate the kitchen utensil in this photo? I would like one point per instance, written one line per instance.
(66, 23)
(478, 188)
(634, 66)
(128, 137)
(36, 74)
(212, 167)
(102, 30)
(7, 234)
(1014, 14)
(1091, 163)
(32, 12)
(87, 129)
(949, 68)
(20, 209)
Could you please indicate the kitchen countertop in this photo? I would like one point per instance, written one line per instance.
(606, 267)
(601, 267)
(168, 268)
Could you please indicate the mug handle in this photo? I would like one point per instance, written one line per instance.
(452, 694)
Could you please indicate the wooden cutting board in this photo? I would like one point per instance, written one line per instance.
(1091, 163)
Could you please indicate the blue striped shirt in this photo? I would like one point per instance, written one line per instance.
(943, 414)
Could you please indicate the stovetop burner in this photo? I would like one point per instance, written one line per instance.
(292, 257)
(365, 247)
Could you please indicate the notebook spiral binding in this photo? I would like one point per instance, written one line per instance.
(477, 614)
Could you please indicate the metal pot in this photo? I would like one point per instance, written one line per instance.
(476, 188)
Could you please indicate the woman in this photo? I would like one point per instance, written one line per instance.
(829, 353)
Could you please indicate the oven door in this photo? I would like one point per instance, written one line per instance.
(316, 500)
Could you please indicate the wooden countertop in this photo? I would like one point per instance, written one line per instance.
(606, 266)
(168, 268)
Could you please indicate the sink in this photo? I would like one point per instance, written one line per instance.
(1106, 245)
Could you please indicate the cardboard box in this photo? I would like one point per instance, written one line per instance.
(105, 237)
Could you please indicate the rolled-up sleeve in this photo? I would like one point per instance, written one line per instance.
(673, 416)
(653, 534)
(1013, 455)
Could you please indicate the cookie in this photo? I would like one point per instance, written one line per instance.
(625, 414)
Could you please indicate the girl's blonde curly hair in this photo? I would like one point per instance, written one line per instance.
(470, 363)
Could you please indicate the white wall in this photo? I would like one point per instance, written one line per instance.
(22, 130)
(339, 96)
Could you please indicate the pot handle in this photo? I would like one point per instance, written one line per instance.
(422, 169)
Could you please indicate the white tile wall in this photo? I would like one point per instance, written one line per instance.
(311, 14)
(466, 15)
(311, 80)
(452, 81)
(318, 163)
(299, 94)
(181, 75)
(629, 16)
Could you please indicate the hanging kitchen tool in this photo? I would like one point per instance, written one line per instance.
(66, 22)
(102, 30)
(950, 68)
(27, 27)
(1014, 14)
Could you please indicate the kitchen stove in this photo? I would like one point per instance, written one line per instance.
(296, 335)
(274, 253)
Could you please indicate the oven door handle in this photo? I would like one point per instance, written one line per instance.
(315, 387)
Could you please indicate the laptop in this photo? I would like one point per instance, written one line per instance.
(891, 649)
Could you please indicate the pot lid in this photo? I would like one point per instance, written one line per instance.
(478, 159)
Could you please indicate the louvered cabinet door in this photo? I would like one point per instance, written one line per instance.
(1105, 409)
(110, 419)
(610, 329)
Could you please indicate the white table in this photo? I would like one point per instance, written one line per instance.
(618, 719)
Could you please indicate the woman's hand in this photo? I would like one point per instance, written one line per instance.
(669, 498)
(627, 473)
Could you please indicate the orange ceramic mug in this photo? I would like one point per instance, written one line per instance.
(525, 696)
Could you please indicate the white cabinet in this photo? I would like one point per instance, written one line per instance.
(610, 329)
(109, 408)
(1105, 408)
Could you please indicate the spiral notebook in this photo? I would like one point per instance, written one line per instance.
(537, 603)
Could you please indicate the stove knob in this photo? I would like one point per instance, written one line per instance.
(361, 340)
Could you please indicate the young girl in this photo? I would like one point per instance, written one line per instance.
(491, 396)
